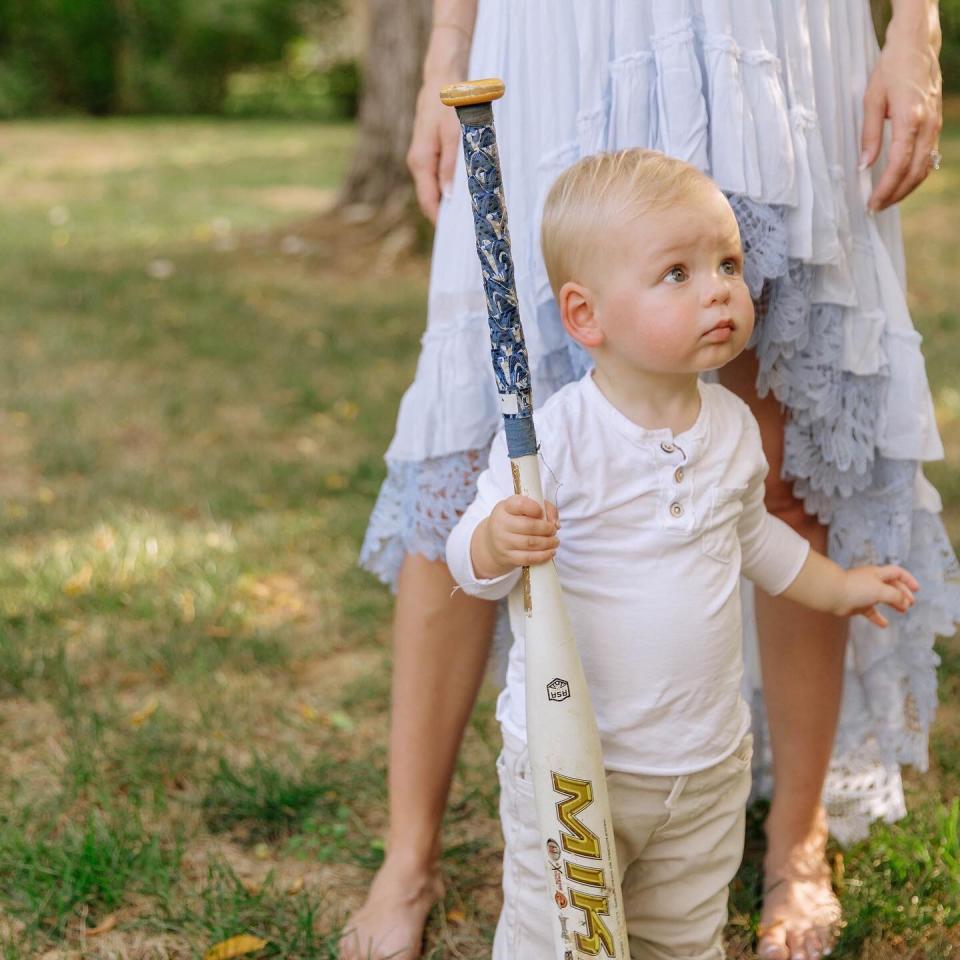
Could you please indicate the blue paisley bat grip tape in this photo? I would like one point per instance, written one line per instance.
(508, 350)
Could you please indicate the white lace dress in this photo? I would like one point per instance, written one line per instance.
(766, 96)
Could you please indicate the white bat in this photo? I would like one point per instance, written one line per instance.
(582, 893)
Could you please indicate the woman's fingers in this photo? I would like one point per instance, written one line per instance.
(431, 129)
(422, 161)
(902, 147)
(927, 140)
(874, 113)
(449, 153)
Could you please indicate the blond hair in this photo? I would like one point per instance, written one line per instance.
(602, 190)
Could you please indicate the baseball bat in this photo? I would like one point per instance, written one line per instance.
(573, 811)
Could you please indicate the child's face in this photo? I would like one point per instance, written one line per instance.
(671, 298)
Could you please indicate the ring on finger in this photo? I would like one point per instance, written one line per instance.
(936, 159)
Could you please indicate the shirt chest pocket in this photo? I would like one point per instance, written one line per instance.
(719, 539)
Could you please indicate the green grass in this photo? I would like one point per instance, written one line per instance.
(196, 388)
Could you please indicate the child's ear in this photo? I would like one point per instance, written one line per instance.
(578, 313)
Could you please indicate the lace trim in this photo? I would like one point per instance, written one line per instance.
(418, 505)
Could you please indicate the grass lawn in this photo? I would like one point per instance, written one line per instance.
(196, 389)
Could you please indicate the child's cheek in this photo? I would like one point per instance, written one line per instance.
(667, 339)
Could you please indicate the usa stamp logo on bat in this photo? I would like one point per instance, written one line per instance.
(558, 690)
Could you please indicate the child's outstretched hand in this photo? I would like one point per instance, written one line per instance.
(865, 587)
(516, 534)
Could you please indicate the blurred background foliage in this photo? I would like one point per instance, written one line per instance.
(247, 57)
(296, 58)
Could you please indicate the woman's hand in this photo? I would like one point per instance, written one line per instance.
(905, 87)
(435, 143)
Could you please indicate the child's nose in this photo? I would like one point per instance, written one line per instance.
(717, 290)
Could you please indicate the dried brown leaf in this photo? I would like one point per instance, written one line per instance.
(235, 947)
(295, 887)
(104, 926)
(141, 716)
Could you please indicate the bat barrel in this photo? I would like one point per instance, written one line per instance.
(507, 347)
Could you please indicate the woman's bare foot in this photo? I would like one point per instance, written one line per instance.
(389, 925)
(800, 911)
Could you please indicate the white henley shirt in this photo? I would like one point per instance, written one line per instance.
(655, 533)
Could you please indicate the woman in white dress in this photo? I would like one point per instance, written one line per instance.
(783, 103)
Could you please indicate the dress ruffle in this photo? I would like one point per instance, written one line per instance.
(766, 97)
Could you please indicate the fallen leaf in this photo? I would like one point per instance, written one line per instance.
(235, 947)
(217, 632)
(261, 851)
(340, 721)
(456, 916)
(251, 886)
(839, 871)
(295, 887)
(104, 926)
(80, 582)
(307, 712)
(141, 716)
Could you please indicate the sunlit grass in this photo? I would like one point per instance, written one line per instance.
(195, 395)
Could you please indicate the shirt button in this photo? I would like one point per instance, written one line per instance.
(667, 447)
(678, 474)
(676, 509)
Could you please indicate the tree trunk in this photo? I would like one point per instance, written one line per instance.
(396, 42)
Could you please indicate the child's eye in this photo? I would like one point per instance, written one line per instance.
(675, 275)
(730, 267)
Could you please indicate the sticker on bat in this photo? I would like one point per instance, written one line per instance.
(558, 690)
(553, 851)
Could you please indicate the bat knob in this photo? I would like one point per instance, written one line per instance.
(472, 91)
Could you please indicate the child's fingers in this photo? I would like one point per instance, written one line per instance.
(892, 572)
(530, 558)
(521, 506)
(875, 617)
(528, 526)
(906, 594)
(552, 514)
(893, 597)
(522, 542)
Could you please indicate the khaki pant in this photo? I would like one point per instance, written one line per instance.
(679, 844)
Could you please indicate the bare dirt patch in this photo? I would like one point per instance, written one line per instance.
(296, 199)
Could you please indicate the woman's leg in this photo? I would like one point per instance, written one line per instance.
(801, 657)
(441, 641)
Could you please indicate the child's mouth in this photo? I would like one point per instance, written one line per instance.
(722, 332)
